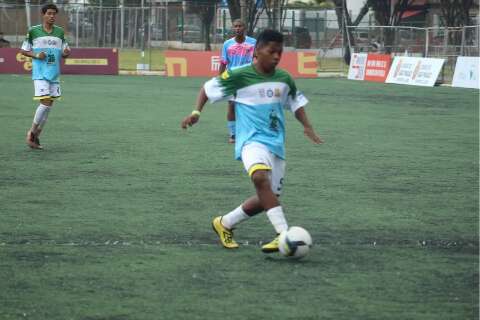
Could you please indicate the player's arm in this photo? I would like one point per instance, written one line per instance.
(297, 102)
(193, 118)
(39, 56)
(223, 60)
(222, 68)
(27, 51)
(308, 130)
(65, 48)
(216, 89)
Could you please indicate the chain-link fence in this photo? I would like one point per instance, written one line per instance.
(174, 25)
(143, 33)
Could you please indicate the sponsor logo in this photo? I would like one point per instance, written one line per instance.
(261, 92)
(86, 62)
(269, 93)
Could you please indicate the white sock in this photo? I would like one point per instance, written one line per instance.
(45, 117)
(234, 217)
(277, 218)
(41, 114)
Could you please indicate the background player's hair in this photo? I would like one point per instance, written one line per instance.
(269, 35)
(49, 6)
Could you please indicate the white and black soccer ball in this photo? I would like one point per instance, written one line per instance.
(295, 242)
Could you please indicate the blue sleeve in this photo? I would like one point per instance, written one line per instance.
(224, 58)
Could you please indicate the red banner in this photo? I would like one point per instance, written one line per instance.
(207, 64)
(80, 61)
(377, 67)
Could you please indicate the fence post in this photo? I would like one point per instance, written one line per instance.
(122, 23)
(294, 36)
(224, 24)
(77, 25)
(166, 21)
(427, 40)
(462, 47)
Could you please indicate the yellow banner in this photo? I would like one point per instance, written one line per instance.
(86, 62)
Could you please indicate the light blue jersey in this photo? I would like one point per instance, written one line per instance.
(52, 44)
(236, 54)
(259, 105)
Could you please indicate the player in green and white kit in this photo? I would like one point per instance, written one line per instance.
(261, 94)
(46, 45)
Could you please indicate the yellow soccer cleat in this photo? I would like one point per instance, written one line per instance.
(272, 246)
(225, 235)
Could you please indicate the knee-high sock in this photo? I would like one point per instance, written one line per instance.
(41, 115)
(277, 218)
(234, 217)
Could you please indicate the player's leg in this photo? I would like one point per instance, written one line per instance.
(223, 225)
(42, 94)
(46, 92)
(231, 121)
(268, 183)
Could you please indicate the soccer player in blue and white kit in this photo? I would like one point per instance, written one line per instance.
(236, 52)
(45, 44)
(262, 93)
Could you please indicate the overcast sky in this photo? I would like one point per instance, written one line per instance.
(355, 5)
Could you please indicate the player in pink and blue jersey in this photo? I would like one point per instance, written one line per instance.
(236, 52)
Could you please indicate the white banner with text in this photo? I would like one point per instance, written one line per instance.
(415, 71)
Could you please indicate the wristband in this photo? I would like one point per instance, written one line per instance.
(195, 113)
(37, 56)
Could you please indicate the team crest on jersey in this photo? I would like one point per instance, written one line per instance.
(277, 92)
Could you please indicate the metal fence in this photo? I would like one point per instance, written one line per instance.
(161, 24)
(434, 42)
(173, 25)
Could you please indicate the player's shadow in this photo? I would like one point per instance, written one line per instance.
(284, 260)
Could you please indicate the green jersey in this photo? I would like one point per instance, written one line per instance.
(52, 44)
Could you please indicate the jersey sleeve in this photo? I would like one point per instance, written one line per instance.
(224, 57)
(64, 42)
(222, 87)
(295, 99)
(27, 43)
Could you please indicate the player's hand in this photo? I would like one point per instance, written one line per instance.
(41, 55)
(189, 120)
(66, 52)
(310, 134)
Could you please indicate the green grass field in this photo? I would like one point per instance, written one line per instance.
(112, 220)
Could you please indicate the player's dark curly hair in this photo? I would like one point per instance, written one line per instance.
(49, 6)
(269, 35)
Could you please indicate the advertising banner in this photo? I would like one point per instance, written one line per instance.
(467, 72)
(415, 71)
(207, 64)
(358, 62)
(377, 67)
(80, 61)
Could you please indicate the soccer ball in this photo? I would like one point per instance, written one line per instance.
(295, 242)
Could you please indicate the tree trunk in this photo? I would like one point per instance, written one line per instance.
(234, 8)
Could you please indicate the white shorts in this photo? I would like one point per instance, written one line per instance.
(256, 156)
(46, 90)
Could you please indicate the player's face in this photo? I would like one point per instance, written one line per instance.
(238, 28)
(269, 54)
(49, 16)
